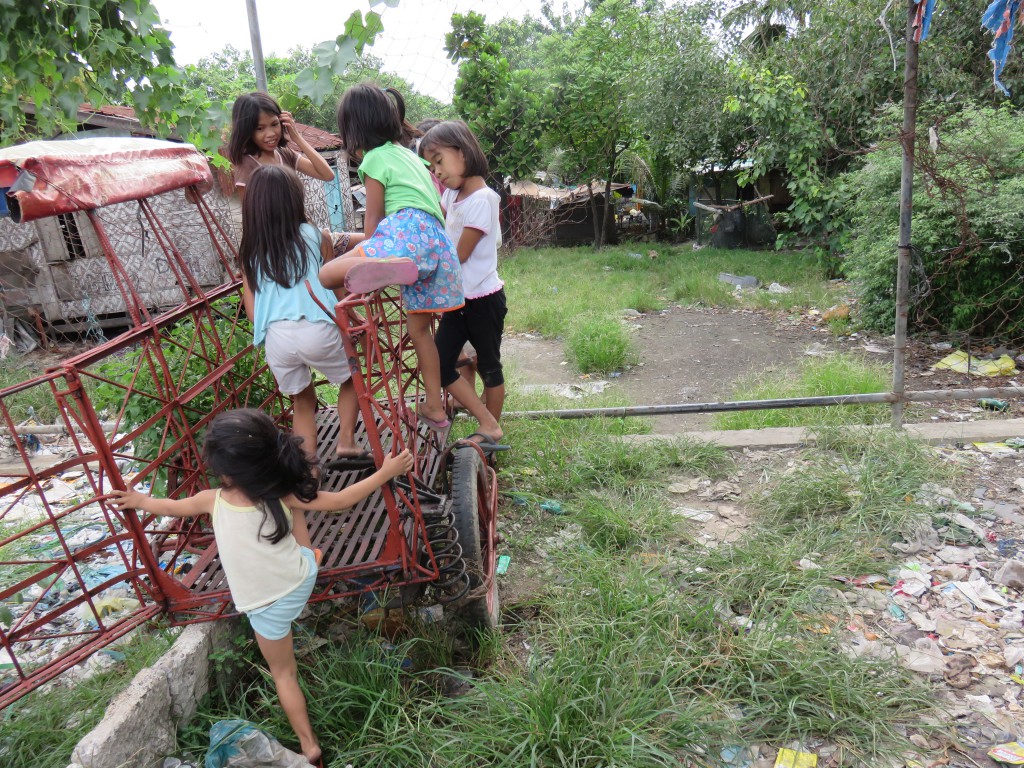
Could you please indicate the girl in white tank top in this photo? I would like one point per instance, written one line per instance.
(265, 479)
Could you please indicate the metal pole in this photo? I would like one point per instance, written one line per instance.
(924, 396)
(257, 46)
(907, 138)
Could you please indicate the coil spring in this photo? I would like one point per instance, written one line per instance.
(452, 581)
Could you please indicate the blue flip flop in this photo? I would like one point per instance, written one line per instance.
(487, 445)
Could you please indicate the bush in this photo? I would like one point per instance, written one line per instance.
(599, 343)
(968, 228)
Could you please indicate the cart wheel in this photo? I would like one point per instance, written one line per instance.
(474, 511)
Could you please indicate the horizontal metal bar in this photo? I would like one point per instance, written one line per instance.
(931, 395)
(51, 429)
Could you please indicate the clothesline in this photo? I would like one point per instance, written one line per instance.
(997, 19)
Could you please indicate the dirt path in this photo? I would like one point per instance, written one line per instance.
(686, 356)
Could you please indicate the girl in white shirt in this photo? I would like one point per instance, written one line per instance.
(471, 221)
(265, 478)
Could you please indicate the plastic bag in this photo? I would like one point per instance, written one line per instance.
(961, 362)
(240, 744)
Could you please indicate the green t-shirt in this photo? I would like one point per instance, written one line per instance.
(405, 178)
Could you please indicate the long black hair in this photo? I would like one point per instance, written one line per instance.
(456, 135)
(370, 116)
(245, 117)
(272, 246)
(248, 452)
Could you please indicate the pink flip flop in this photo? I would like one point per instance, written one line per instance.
(434, 424)
(371, 274)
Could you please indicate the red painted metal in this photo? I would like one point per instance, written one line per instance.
(66, 176)
(133, 411)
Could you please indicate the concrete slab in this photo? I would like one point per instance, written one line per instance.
(934, 433)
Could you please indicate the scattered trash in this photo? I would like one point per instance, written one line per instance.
(552, 506)
(779, 288)
(1011, 575)
(635, 255)
(941, 346)
(746, 281)
(1010, 754)
(979, 593)
(697, 515)
(721, 491)
(838, 312)
(432, 614)
(993, 447)
(240, 744)
(571, 391)
(896, 612)
(738, 757)
(961, 362)
(790, 758)
(817, 349)
(685, 486)
(504, 561)
(992, 404)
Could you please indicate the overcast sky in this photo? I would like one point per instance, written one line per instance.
(412, 44)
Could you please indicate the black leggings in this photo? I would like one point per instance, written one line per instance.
(481, 323)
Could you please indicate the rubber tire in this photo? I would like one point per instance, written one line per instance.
(469, 496)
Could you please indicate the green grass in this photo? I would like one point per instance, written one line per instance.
(840, 374)
(597, 343)
(625, 653)
(547, 286)
(42, 728)
(35, 402)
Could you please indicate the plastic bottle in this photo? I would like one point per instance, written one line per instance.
(991, 404)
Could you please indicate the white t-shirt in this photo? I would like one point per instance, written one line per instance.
(478, 211)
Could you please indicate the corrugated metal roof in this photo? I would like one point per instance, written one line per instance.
(318, 139)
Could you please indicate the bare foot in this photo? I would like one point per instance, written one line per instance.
(438, 415)
(312, 754)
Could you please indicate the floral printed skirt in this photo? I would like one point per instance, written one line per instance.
(417, 235)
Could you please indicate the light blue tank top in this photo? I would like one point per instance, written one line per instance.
(273, 302)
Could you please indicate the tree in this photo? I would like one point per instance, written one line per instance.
(60, 53)
(501, 105)
(596, 77)
(224, 75)
(688, 81)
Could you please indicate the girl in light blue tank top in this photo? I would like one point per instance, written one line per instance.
(280, 252)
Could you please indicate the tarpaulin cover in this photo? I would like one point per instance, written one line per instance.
(923, 19)
(46, 178)
(998, 20)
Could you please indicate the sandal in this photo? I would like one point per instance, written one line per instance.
(488, 444)
(362, 460)
(434, 424)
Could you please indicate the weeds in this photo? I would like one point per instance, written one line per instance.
(597, 343)
(840, 374)
(540, 298)
(628, 660)
(41, 729)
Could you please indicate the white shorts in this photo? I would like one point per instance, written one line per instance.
(295, 346)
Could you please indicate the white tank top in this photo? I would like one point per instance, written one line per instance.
(257, 571)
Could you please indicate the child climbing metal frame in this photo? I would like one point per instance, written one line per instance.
(77, 575)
